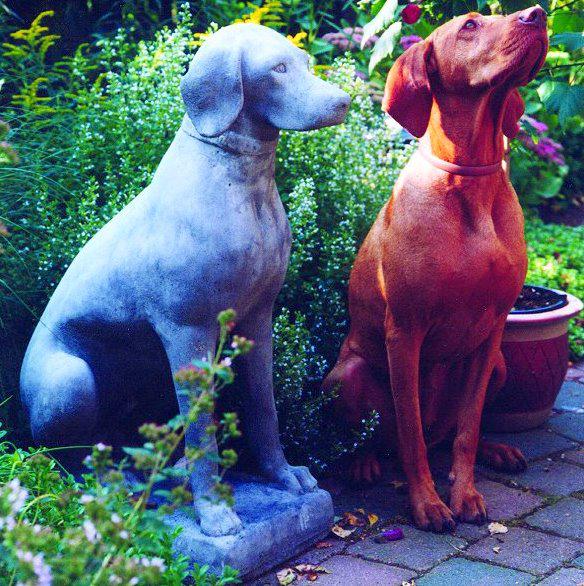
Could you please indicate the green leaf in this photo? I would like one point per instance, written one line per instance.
(549, 185)
(565, 99)
(566, 21)
(572, 41)
(379, 22)
(385, 45)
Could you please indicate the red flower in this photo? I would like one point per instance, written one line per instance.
(411, 13)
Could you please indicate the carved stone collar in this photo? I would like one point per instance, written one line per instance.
(232, 141)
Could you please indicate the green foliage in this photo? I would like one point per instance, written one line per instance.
(556, 260)
(100, 530)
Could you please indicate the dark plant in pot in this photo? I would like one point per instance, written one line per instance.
(535, 347)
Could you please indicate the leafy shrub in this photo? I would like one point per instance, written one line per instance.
(556, 260)
(100, 530)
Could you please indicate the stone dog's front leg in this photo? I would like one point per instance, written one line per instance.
(182, 344)
(260, 421)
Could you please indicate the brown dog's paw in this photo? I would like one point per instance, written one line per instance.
(431, 514)
(365, 469)
(501, 457)
(468, 506)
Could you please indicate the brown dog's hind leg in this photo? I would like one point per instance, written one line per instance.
(501, 457)
(360, 392)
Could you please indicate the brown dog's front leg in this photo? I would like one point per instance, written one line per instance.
(403, 352)
(466, 502)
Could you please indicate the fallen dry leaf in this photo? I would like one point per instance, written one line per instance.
(285, 576)
(312, 577)
(353, 520)
(340, 532)
(497, 548)
(497, 528)
(373, 518)
(323, 544)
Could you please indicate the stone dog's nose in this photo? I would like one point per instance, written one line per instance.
(534, 16)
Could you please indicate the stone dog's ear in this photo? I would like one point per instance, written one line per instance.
(408, 97)
(513, 109)
(212, 88)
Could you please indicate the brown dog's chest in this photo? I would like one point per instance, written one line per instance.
(454, 268)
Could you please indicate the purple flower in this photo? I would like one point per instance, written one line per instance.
(349, 38)
(408, 40)
(545, 148)
(538, 126)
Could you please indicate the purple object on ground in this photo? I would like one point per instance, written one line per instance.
(389, 535)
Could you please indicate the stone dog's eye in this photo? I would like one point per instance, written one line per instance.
(280, 68)
(469, 25)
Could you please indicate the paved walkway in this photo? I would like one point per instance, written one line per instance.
(543, 509)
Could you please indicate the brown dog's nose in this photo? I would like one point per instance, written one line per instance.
(534, 16)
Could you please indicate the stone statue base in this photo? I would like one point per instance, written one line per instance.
(277, 526)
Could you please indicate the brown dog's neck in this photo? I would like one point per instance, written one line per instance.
(465, 132)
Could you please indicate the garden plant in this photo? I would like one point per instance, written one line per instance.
(83, 126)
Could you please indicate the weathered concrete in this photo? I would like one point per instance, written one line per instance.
(277, 525)
(141, 298)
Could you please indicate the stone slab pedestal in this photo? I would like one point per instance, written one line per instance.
(277, 525)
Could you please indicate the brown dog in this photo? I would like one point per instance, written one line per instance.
(445, 260)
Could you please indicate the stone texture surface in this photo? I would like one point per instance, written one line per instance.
(347, 570)
(535, 443)
(551, 477)
(564, 577)
(419, 550)
(574, 456)
(569, 424)
(521, 549)
(277, 526)
(571, 397)
(566, 518)
(463, 572)
(544, 545)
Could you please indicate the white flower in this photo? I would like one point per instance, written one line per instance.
(115, 518)
(226, 361)
(86, 498)
(100, 447)
(90, 531)
(124, 534)
(133, 581)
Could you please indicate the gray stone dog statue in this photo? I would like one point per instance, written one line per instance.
(140, 300)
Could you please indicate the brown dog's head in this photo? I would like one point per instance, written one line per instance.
(469, 54)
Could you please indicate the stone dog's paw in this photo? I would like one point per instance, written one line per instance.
(218, 519)
(295, 479)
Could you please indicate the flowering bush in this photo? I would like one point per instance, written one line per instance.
(101, 531)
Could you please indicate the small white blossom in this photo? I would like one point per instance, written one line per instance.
(91, 533)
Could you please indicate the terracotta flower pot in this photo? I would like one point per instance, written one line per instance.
(535, 347)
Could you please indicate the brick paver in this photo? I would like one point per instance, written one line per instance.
(571, 397)
(574, 456)
(419, 550)
(544, 544)
(521, 549)
(462, 572)
(564, 577)
(350, 571)
(565, 518)
(569, 424)
(535, 443)
(552, 477)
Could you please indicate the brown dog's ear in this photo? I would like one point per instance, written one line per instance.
(408, 97)
(513, 109)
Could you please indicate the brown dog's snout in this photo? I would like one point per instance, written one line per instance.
(534, 16)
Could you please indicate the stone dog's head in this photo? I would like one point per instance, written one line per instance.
(253, 75)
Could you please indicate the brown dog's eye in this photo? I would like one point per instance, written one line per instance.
(280, 68)
(469, 25)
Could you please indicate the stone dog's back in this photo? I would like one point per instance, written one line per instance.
(210, 232)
